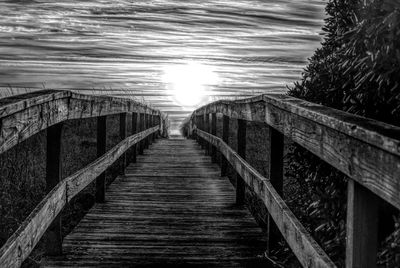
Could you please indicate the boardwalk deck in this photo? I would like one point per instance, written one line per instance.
(170, 209)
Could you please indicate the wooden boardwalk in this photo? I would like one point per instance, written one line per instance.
(172, 209)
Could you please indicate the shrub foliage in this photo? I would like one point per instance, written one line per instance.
(356, 70)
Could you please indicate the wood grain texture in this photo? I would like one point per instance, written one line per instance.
(21, 243)
(79, 180)
(308, 252)
(25, 115)
(171, 209)
(361, 227)
(366, 150)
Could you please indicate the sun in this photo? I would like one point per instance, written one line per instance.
(188, 83)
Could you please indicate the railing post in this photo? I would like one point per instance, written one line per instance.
(146, 126)
(276, 146)
(101, 149)
(241, 145)
(148, 121)
(134, 131)
(202, 127)
(122, 135)
(152, 120)
(361, 227)
(141, 128)
(213, 132)
(159, 123)
(53, 177)
(225, 138)
(207, 129)
(197, 118)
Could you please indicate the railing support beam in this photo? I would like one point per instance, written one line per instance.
(276, 145)
(362, 226)
(225, 138)
(122, 135)
(141, 128)
(101, 149)
(53, 177)
(207, 128)
(241, 145)
(213, 132)
(146, 126)
(134, 131)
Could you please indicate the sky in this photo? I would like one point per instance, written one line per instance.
(175, 55)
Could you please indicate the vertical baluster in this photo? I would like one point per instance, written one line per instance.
(152, 120)
(241, 145)
(276, 145)
(362, 226)
(53, 177)
(101, 149)
(225, 138)
(141, 128)
(149, 139)
(122, 135)
(207, 129)
(134, 131)
(213, 132)
(202, 125)
(198, 122)
(146, 126)
(159, 123)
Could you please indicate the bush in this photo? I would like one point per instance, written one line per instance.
(356, 70)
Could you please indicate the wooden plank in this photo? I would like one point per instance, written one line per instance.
(172, 221)
(53, 177)
(361, 227)
(101, 150)
(308, 252)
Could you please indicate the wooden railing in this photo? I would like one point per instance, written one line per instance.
(367, 151)
(25, 115)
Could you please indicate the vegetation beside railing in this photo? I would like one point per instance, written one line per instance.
(367, 151)
(355, 70)
(23, 117)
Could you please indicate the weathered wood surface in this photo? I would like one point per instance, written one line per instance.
(79, 180)
(366, 150)
(308, 252)
(21, 243)
(171, 209)
(25, 115)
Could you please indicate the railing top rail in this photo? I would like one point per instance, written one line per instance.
(379, 134)
(24, 115)
(366, 150)
(17, 103)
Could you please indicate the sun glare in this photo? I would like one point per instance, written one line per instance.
(189, 83)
